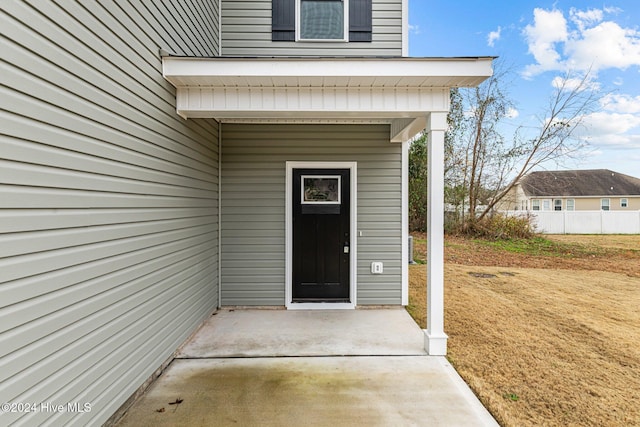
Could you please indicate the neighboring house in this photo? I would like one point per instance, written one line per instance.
(575, 190)
(162, 159)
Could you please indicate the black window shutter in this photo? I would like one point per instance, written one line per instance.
(283, 20)
(360, 20)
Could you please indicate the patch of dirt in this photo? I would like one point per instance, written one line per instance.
(481, 275)
(552, 340)
(587, 255)
(615, 241)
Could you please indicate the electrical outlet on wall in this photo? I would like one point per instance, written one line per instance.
(376, 267)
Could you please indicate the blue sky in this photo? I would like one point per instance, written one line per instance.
(541, 40)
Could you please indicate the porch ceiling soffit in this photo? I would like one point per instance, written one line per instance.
(399, 91)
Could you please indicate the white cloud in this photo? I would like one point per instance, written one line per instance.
(512, 113)
(621, 103)
(616, 142)
(612, 10)
(616, 125)
(586, 41)
(573, 83)
(606, 45)
(584, 18)
(493, 37)
(549, 28)
(605, 123)
(414, 29)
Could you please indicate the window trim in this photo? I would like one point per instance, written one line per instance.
(602, 205)
(345, 25)
(624, 204)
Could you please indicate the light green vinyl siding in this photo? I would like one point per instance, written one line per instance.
(253, 206)
(246, 31)
(108, 201)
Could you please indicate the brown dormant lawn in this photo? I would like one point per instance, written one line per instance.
(544, 338)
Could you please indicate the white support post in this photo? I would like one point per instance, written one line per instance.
(435, 339)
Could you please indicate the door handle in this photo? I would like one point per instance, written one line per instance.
(345, 248)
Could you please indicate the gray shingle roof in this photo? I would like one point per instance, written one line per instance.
(577, 183)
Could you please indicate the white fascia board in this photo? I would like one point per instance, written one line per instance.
(241, 71)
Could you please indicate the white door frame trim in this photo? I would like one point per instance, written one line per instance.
(353, 224)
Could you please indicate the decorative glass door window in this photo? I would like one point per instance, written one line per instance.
(320, 189)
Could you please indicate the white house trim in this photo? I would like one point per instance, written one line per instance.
(435, 338)
(327, 72)
(312, 103)
(405, 129)
(353, 242)
(405, 223)
(219, 209)
(405, 28)
(321, 89)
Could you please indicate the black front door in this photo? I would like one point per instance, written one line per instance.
(321, 237)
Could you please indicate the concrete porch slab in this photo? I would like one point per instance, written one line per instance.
(269, 333)
(310, 391)
(308, 368)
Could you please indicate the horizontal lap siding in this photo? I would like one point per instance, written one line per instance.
(253, 206)
(246, 31)
(108, 201)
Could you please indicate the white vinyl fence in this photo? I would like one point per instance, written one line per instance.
(584, 222)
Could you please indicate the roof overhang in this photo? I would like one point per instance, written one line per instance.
(399, 91)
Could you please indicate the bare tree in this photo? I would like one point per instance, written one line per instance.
(557, 137)
(486, 165)
(476, 150)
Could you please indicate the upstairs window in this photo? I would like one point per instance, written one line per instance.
(624, 203)
(557, 205)
(604, 204)
(571, 204)
(321, 20)
(535, 205)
